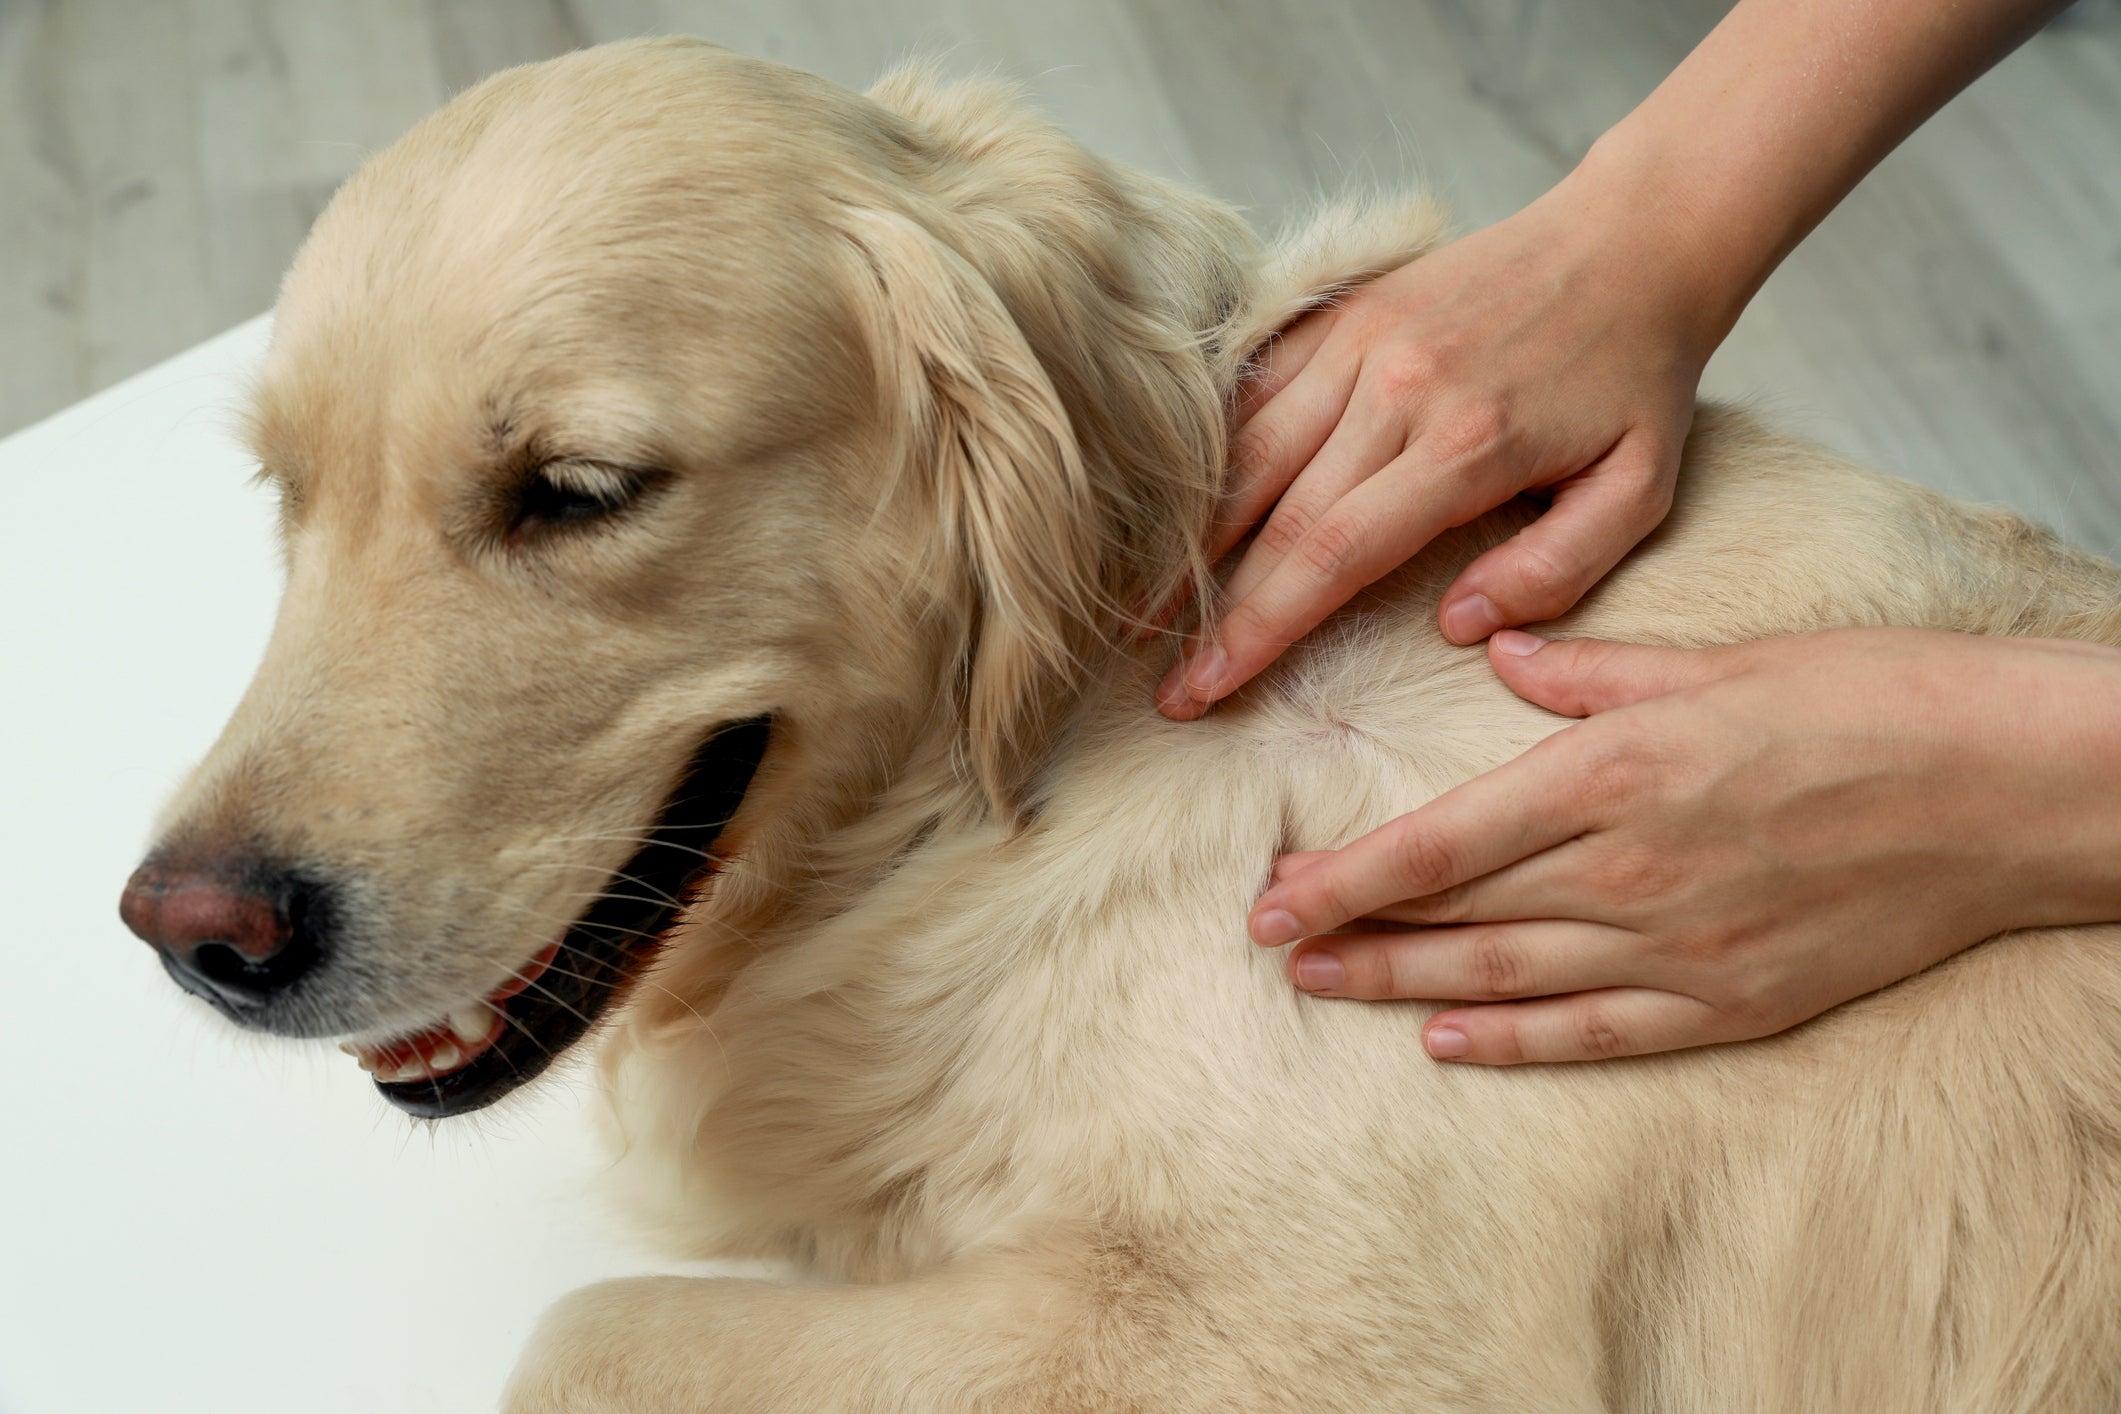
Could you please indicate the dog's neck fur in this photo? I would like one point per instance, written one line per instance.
(1144, 378)
(1140, 364)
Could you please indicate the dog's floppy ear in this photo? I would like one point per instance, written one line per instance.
(996, 466)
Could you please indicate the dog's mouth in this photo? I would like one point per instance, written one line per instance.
(478, 1052)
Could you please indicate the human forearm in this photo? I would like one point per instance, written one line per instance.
(2062, 827)
(1774, 117)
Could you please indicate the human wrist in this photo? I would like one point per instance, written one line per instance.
(2069, 762)
(2017, 772)
(1698, 265)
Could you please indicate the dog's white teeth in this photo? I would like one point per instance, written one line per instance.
(443, 1047)
(472, 1024)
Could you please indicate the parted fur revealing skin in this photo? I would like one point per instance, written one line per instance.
(969, 1032)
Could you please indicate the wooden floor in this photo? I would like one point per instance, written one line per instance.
(1958, 320)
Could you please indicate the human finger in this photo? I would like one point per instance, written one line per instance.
(1288, 866)
(1519, 809)
(1579, 677)
(1268, 451)
(1481, 963)
(1368, 533)
(1594, 519)
(1594, 1025)
(1279, 360)
(1546, 883)
(1363, 444)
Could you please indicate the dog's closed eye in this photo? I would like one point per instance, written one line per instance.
(561, 494)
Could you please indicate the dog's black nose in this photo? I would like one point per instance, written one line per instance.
(235, 935)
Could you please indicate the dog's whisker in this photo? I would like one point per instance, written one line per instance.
(644, 980)
(637, 841)
(556, 999)
(592, 900)
(528, 1034)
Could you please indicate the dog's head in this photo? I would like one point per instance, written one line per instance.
(666, 441)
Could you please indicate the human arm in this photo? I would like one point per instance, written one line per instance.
(1732, 841)
(1559, 350)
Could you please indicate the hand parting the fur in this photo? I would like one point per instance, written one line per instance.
(1733, 841)
(1558, 351)
(1527, 357)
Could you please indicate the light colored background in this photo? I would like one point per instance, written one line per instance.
(195, 1221)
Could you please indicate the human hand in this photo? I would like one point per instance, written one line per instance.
(1558, 351)
(1735, 840)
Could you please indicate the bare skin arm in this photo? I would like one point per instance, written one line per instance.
(1559, 350)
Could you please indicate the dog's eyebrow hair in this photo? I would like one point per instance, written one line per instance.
(608, 434)
(514, 449)
(500, 428)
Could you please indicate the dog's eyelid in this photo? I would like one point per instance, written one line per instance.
(592, 477)
(568, 492)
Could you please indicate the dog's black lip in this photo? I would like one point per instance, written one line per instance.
(608, 945)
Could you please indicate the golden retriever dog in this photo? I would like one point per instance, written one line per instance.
(715, 504)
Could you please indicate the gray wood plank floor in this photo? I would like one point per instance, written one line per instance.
(1958, 320)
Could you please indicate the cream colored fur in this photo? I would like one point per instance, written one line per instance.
(969, 1032)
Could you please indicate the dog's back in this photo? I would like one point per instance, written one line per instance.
(1911, 1203)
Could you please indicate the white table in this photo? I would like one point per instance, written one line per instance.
(192, 1218)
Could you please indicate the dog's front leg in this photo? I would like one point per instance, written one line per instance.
(1016, 1331)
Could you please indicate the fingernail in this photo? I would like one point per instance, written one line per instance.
(1517, 643)
(1171, 692)
(1470, 619)
(1275, 927)
(1205, 673)
(1319, 972)
(1446, 1042)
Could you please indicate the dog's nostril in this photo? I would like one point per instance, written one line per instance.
(234, 932)
(230, 971)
